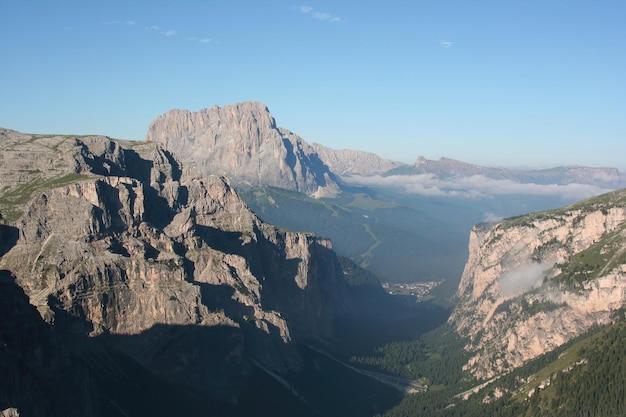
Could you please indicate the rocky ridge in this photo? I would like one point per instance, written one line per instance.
(119, 240)
(353, 162)
(534, 282)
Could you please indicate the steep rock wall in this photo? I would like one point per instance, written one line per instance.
(515, 302)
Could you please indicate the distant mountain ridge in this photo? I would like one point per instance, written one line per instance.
(571, 174)
(350, 161)
(243, 142)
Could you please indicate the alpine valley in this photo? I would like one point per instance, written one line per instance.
(224, 266)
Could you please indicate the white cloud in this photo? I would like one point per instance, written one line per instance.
(206, 40)
(320, 15)
(170, 33)
(153, 27)
(492, 218)
(475, 186)
(446, 44)
(325, 16)
(522, 279)
(118, 22)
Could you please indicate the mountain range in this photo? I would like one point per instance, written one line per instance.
(572, 174)
(374, 210)
(135, 279)
(243, 142)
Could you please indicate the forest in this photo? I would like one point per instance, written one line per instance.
(585, 377)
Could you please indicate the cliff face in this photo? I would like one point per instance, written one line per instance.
(118, 240)
(242, 142)
(535, 282)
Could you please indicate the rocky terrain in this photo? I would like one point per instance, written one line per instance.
(534, 282)
(118, 241)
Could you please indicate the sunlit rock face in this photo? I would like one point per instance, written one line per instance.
(534, 282)
(120, 240)
(241, 141)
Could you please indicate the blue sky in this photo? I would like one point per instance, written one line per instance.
(518, 83)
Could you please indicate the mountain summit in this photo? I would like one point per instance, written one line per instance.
(241, 141)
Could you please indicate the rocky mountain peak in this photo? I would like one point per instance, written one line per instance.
(241, 141)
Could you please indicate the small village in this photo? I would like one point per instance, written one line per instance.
(420, 290)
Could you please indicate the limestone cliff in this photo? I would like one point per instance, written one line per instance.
(534, 282)
(242, 142)
(119, 240)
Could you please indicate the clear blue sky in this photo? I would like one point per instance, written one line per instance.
(506, 82)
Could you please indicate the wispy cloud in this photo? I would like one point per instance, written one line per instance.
(492, 218)
(446, 44)
(476, 186)
(522, 279)
(320, 15)
(118, 22)
(157, 29)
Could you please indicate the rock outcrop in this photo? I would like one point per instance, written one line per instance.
(119, 241)
(534, 282)
(242, 142)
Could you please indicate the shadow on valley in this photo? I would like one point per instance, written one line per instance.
(187, 370)
(40, 375)
(376, 318)
(8, 237)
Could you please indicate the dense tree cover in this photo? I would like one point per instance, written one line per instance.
(355, 275)
(593, 386)
(437, 356)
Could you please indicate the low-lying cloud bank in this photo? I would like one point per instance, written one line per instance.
(475, 186)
